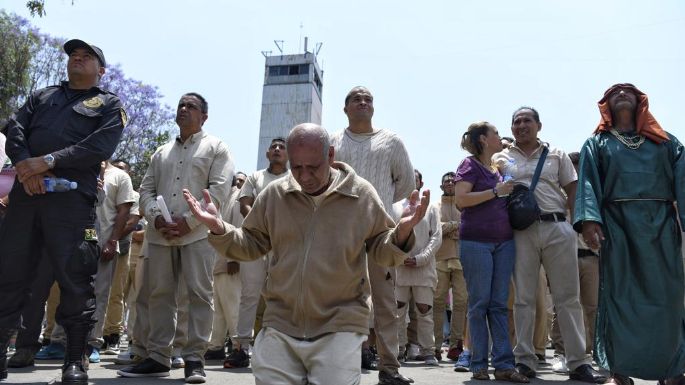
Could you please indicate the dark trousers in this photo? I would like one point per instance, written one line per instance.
(34, 308)
(55, 223)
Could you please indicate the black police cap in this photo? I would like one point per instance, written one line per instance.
(72, 44)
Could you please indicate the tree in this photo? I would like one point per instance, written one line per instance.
(30, 60)
(18, 41)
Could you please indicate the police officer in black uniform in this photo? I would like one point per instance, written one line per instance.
(65, 131)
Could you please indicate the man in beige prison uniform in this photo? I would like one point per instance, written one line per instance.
(379, 156)
(178, 250)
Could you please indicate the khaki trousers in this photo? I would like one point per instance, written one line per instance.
(540, 333)
(50, 309)
(166, 266)
(332, 359)
(450, 276)
(226, 305)
(114, 320)
(552, 244)
(382, 280)
(424, 321)
(588, 274)
(252, 279)
(141, 322)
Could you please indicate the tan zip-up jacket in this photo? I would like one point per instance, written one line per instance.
(318, 280)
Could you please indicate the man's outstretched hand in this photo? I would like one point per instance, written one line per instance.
(412, 214)
(205, 212)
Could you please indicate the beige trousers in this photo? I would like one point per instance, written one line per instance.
(382, 280)
(226, 305)
(450, 276)
(167, 265)
(588, 273)
(424, 321)
(332, 359)
(540, 332)
(552, 245)
(114, 320)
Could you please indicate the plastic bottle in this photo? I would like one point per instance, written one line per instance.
(508, 169)
(59, 184)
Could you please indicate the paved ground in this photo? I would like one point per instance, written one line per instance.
(104, 373)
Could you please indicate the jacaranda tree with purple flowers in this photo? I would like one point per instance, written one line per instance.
(30, 60)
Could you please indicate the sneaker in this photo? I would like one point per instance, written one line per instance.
(54, 351)
(217, 354)
(22, 358)
(431, 360)
(369, 361)
(438, 354)
(395, 378)
(239, 358)
(128, 359)
(94, 355)
(194, 373)
(112, 348)
(177, 362)
(463, 362)
(147, 368)
(413, 353)
(559, 364)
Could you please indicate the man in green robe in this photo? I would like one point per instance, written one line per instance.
(631, 172)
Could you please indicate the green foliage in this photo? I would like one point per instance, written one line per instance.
(30, 60)
(18, 42)
(36, 7)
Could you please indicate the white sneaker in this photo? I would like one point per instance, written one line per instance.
(431, 360)
(559, 364)
(413, 353)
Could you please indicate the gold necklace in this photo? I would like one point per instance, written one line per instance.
(632, 142)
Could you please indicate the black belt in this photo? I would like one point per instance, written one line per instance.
(553, 217)
(586, 253)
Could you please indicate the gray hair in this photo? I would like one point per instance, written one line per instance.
(306, 131)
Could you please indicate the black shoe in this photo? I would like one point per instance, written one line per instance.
(385, 378)
(239, 358)
(5, 335)
(194, 372)
(542, 360)
(369, 361)
(217, 354)
(22, 358)
(525, 370)
(74, 374)
(586, 373)
(45, 342)
(147, 368)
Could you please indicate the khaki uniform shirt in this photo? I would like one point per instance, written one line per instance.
(201, 162)
(557, 172)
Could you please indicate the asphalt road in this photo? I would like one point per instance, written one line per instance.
(104, 373)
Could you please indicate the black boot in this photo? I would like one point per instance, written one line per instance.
(73, 372)
(5, 335)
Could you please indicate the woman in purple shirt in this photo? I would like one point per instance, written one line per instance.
(487, 251)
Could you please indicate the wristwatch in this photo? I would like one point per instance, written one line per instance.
(50, 160)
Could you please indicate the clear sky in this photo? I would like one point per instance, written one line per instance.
(434, 67)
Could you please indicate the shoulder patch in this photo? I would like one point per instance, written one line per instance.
(124, 116)
(93, 102)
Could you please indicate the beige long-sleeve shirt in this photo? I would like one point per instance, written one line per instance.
(201, 162)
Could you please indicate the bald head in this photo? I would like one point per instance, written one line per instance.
(311, 156)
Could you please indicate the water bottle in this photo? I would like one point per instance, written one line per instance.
(59, 184)
(508, 170)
